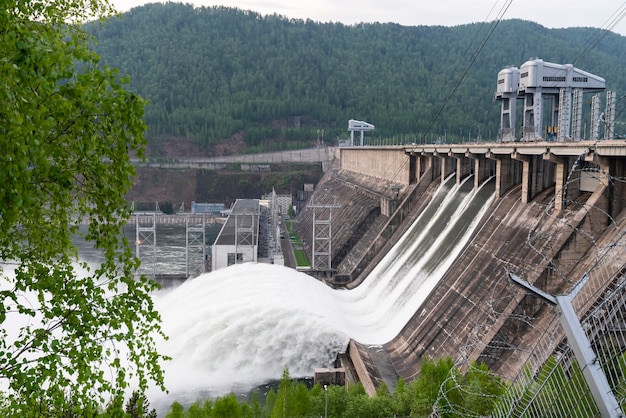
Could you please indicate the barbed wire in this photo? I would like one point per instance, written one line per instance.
(550, 382)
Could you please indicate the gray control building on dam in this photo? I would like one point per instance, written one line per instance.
(558, 216)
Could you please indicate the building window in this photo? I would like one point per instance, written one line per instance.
(235, 258)
(554, 78)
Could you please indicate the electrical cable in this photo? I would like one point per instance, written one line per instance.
(492, 29)
(600, 34)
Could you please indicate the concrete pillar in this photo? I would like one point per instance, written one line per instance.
(544, 173)
(507, 172)
(420, 166)
(508, 115)
(607, 207)
(533, 114)
(413, 168)
(536, 175)
(386, 206)
(560, 178)
(448, 165)
(426, 162)
(605, 169)
(443, 165)
(499, 176)
(482, 168)
(526, 179)
(463, 167)
(618, 170)
(434, 163)
(459, 168)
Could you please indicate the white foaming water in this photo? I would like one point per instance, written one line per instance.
(239, 327)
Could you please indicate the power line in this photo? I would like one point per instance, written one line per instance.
(608, 25)
(492, 29)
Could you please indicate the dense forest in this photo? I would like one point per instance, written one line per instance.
(440, 390)
(440, 387)
(216, 74)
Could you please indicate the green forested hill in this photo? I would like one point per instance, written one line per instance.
(211, 73)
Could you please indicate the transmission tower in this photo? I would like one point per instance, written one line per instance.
(322, 236)
(244, 237)
(195, 247)
(145, 241)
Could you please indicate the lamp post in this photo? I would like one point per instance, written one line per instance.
(326, 402)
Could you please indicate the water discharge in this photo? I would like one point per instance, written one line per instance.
(238, 327)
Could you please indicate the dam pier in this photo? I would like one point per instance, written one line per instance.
(390, 182)
(553, 203)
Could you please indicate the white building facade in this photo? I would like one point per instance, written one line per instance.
(238, 240)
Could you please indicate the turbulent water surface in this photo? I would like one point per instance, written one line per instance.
(238, 327)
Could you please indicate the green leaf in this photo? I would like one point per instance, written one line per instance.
(70, 124)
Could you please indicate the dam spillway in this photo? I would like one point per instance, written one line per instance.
(545, 219)
(553, 202)
(400, 283)
(240, 326)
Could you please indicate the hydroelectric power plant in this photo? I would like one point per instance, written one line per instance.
(424, 239)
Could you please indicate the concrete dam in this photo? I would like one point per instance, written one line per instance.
(550, 209)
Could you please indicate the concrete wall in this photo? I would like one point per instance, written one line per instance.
(359, 365)
(390, 164)
(512, 235)
(309, 155)
(220, 254)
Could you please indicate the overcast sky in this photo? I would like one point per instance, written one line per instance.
(605, 14)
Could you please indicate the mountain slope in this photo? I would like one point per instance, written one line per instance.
(213, 72)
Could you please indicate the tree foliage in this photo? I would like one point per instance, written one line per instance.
(138, 406)
(71, 333)
(211, 72)
(553, 391)
(440, 386)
